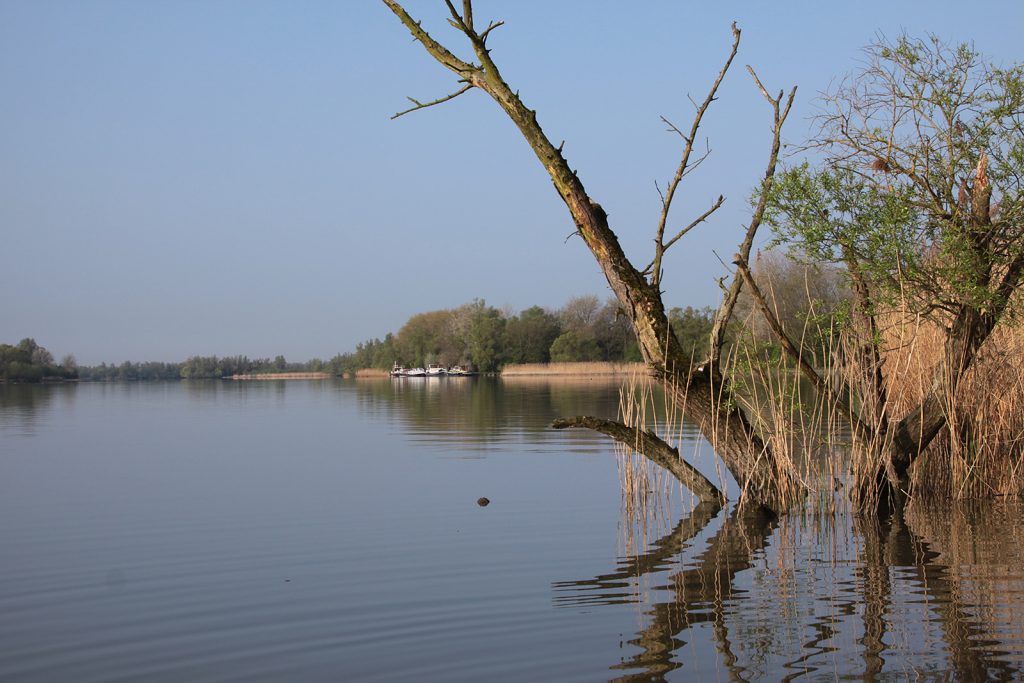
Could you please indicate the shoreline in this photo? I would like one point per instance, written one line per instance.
(280, 375)
(580, 369)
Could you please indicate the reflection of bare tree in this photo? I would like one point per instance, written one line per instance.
(613, 588)
(700, 591)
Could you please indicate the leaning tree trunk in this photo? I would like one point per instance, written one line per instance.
(703, 391)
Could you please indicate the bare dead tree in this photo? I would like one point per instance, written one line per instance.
(709, 402)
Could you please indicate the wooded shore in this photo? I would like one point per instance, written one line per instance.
(282, 375)
(582, 369)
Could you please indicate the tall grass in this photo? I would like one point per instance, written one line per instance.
(980, 453)
(577, 369)
(981, 450)
(649, 492)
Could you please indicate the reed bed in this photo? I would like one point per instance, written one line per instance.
(280, 375)
(647, 489)
(980, 451)
(371, 373)
(575, 369)
(816, 452)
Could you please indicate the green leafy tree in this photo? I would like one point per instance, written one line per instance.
(919, 197)
(484, 338)
(692, 327)
(574, 347)
(529, 335)
(29, 362)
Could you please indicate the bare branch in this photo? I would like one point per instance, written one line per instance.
(434, 48)
(652, 447)
(456, 17)
(424, 105)
(694, 223)
(672, 128)
(684, 162)
(724, 313)
(487, 31)
(697, 221)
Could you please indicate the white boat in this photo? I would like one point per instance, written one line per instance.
(434, 370)
(415, 372)
(398, 371)
(460, 371)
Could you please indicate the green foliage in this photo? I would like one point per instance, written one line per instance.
(486, 330)
(529, 335)
(692, 327)
(482, 336)
(920, 185)
(30, 362)
(573, 346)
(147, 371)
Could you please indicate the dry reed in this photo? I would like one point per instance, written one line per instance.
(980, 451)
(574, 369)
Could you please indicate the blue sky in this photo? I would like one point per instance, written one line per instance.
(181, 178)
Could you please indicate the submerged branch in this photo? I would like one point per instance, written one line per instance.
(653, 448)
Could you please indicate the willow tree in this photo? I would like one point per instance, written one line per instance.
(918, 191)
(703, 388)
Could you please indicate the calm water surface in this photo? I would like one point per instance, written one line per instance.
(329, 531)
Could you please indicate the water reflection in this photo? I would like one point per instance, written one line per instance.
(699, 592)
(933, 593)
(483, 413)
(191, 504)
(23, 406)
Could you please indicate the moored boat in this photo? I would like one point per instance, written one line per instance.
(434, 370)
(398, 371)
(415, 372)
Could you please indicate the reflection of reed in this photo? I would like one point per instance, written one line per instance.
(971, 562)
(927, 597)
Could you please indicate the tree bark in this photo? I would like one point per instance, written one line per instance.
(704, 392)
(654, 449)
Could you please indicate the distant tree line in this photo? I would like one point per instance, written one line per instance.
(27, 361)
(196, 367)
(476, 334)
(486, 338)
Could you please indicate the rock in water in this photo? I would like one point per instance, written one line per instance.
(483, 502)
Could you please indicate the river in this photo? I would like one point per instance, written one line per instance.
(331, 531)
